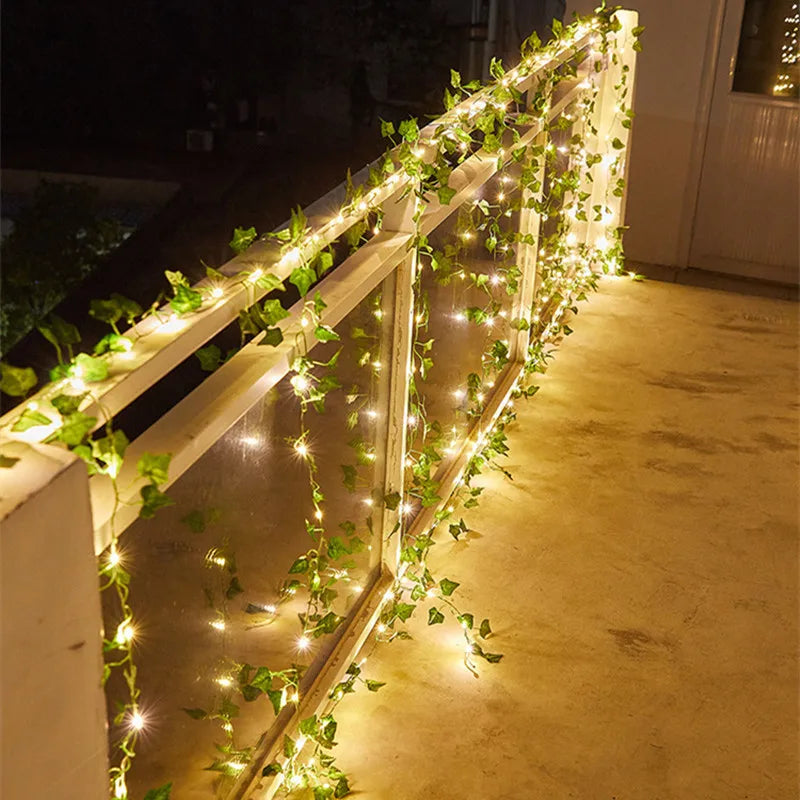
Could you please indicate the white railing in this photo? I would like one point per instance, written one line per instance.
(45, 498)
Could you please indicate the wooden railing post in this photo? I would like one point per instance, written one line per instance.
(52, 704)
(398, 217)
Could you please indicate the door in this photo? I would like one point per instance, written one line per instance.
(746, 219)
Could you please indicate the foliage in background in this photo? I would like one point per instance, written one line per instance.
(57, 241)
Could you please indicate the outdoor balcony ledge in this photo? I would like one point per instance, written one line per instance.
(641, 572)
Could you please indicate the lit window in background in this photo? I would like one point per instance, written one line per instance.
(768, 60)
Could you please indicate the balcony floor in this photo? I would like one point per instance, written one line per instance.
(641, 575)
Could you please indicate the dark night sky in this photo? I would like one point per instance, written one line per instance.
(132, 72)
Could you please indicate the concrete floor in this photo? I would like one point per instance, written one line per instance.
(641, 574)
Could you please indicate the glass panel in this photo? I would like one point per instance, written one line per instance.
(468, 287)
(216, 582)
(767, 61)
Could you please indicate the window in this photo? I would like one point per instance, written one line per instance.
(768, 61)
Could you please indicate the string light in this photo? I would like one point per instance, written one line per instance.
(136, 721)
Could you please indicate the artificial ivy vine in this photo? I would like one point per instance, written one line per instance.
(554, 178)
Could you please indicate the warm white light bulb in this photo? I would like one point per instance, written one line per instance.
(137, 721)
(303, 643)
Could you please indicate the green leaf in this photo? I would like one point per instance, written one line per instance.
(485, 629)
(272, 336)
(186, 300)
(342, 787)
(324, 262)
(409, 129)
(270, 282)
(6, 462)
(90, 369)
(493, 658)
(275, 697)
(271, 769)
(105, 310)
(242, 239)
(404, 610)
(617, 144)
(154, 467)
(466, 621)
(209, 357)
(195, 520)
(113, 343)
(195, 713)
(446, 194)
(289, 747)
(326, 334)
(58, 331)
(16, 381)
(455, 79)
(350, 475)
(273, 312)
(234, 588)
(392, 500)
(299, 566)
(373, 686)
(435, 617)
(30, 419)
(448, 587)
(176, 278)
(162, 793)
(387, 128)
(153, 499)
(74, 429)
(302, 278)
(337, 548)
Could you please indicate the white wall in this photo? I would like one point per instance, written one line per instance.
(668, 85)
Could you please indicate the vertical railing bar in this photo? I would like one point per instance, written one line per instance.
(528, 255)
(399, 216)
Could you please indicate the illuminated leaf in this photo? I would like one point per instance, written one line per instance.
(16, 381)
(154, 467)
(302, 278)
(326, 334)
(299, 566)
(186, 299)
(91, 369)
(113, 343)
(485, 629)
(30, 419)
(242, 239)
(74, 429)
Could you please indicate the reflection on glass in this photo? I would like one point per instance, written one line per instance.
(768, 61)
(468, 287)
(243, 585)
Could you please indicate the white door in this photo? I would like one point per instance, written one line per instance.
(746, 220)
